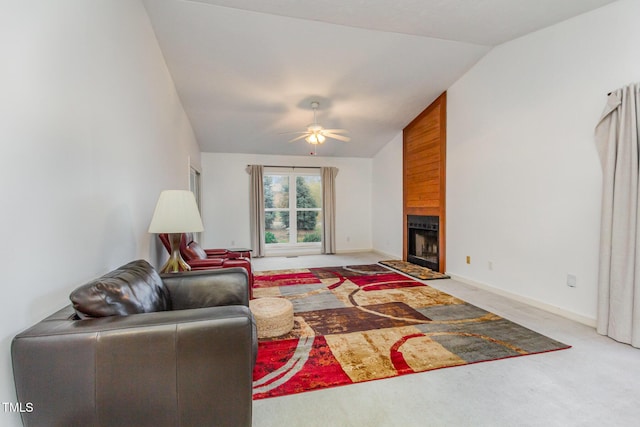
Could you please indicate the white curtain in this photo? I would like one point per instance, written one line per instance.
(328, 176)
(256, 206)
(619, 275)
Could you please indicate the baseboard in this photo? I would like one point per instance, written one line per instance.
(284, 252)
(526, 300)
(386, 255)
(352, 251)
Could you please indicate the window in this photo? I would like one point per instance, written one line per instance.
(293, 208)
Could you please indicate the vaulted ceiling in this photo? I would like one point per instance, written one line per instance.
(247, 70)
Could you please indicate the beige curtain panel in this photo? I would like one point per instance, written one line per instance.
(256, 207)
(619, 275)
(328, 176)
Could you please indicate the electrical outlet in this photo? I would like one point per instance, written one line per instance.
(572, 280)
(233, 243)
(490, 265)
(468, 259)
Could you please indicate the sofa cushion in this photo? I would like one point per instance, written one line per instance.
(131, 289)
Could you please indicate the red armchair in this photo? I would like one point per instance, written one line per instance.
(209, 259)
(190, 249)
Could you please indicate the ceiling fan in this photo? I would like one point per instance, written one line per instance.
(316, 134)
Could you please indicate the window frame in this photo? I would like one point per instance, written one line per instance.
(293, 247)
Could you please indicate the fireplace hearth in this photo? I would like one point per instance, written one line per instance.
(422, 241)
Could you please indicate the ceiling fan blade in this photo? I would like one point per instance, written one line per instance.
(338, 137)
(335, 130)
(299, 137)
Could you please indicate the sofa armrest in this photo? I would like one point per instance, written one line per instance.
(207, 262)
(186, 367)
(207, 288)
(216, 252)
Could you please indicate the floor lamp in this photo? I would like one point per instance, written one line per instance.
(176, 213)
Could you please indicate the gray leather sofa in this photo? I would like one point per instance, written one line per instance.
(138, 349)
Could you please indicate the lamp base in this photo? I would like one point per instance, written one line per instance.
(175, 263)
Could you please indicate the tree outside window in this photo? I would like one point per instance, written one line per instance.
(279, 209)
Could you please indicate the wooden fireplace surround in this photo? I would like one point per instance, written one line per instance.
(424, 169)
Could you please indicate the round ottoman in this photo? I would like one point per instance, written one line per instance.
(274, 316)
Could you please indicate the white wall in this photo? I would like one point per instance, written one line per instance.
(387, 199)
(91, 131)
(523, 177)
(225, 189)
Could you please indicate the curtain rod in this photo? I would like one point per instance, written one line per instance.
(292, 167)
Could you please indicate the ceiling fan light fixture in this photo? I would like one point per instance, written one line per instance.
(315, 138)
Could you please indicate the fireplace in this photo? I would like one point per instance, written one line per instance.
(422, 241)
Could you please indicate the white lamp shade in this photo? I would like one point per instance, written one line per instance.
(176, 212)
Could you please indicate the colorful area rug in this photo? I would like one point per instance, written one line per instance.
(366, 322)
(414, 270)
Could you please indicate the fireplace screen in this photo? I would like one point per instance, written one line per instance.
(422, 241)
